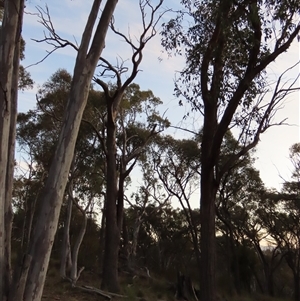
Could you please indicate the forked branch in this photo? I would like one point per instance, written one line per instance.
(268, 111)
(50, 35)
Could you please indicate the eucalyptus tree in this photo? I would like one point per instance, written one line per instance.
(31, 283)
(239, 195)
(37, 135)
(177, 164)
(165, 246)
(227, 46)
(86, 62)
(10, 46)
(136, 121)
(123, 74)
(280, 216)
(149, 198)
(38, 131)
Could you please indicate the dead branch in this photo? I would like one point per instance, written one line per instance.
(107, 295)
(50, 37)
(99, 136)
(149, 31)
(265, 119)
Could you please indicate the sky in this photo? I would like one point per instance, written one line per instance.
(157, 73)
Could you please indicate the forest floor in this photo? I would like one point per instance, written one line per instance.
(140, 289)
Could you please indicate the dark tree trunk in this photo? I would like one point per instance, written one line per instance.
(19, 280)
(207, 239)
(125, 248)
(268, 270)
(235, 264)
(296, 287)
(270, 284)
(208, 191)
(110, 280)
(102, 236)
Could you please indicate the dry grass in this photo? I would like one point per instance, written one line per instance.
(140, 289)
(134, 289)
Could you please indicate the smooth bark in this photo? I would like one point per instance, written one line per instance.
(65, 261)
(11, 161)
(9, 67)
(74, 274)
(52, 196)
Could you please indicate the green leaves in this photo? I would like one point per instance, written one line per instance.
(223, 41)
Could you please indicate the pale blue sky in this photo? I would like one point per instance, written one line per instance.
(69, 17)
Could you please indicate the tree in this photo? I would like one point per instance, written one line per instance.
(38, 130)
(126, 136)
(237, 195)
(283, 222)
(228, 47)
(10, 46)
(31, 282)
(177, 165)
(165, 244)
(149, 199)
(115, 95)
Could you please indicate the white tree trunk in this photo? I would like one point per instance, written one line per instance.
(52, 196)
(9, 60)
(66, 262)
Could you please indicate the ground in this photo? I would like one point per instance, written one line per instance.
(139, 288)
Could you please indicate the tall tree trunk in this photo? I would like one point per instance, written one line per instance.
(11, 160)
(268, 269)
(74, 275)
(102, 236)
(124, 246)
(52, 196)
(296, 287)
(28, 219)
(270, 283)
(136, 230)
(65, 261)
(208, 189)
(207, 239)
(112, 233)
(9, 68)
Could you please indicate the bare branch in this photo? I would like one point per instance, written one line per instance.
(149, 31)
(138, 150)
(116, 70)
(51, 37)
(265, 121)
(101, 139)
